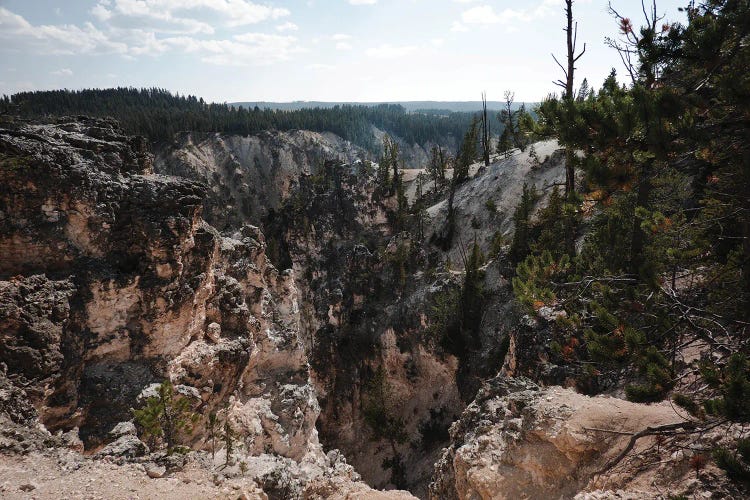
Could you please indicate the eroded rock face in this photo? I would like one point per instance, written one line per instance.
(249, 177)
(112, 282)
(517, 440)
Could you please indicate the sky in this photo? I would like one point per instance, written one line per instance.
(291, 50)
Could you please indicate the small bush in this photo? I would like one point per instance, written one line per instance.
(736, 469)
(490, 206)
(687, 403)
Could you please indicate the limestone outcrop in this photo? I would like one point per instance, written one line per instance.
(111, 282)
(518, 440)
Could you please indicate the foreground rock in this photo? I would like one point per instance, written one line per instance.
(519, 441)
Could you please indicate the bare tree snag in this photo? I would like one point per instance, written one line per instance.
(571, 31)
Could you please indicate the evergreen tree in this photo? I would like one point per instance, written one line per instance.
(519, 248)
(472, 293)
(468, 153)
(165, 416)
(438, 165)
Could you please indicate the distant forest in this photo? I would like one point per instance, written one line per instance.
(158, 114)
(409, 106)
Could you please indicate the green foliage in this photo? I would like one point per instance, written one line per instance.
(229, 436)
(688, 403)
(665, 258)
(444, 318)
(496, 244)
(472, 293)
(399, 263)
(212, 429)
(468, 153)
(388, 162)
(734, 385)
(736, 467)
(532, 285)
(555, 227)
(519, 247)
(12, 164)
(439, 161)
(165, 416)
(490, 206)
(379, 408)
(518, 126)
(654, 368)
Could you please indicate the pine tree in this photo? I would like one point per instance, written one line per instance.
(438, 165)
(212, 428)
(165, 416)
(519, 247)
(507, 117)
(468, 153)
(472, 293)
(229, 436)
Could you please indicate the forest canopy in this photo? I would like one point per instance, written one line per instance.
(158, 114)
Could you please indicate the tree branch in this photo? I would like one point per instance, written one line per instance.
(648, 431)
(561, 66)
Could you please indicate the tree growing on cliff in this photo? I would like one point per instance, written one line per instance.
(228, 435)
(212, 429)
(438, 165)
(506, 117)
(165, 416)
(468, 153)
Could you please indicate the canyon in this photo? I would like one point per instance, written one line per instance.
(267, 277)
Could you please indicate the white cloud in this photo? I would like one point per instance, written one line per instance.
(101, 12)
(18, 34)
(251, 49)
(458, 27)
(62, 72)
(343, 46)
(486, 14)
(287, 27)
(363, 2)
(233, 13)
(388, 51)
(321, 67)
(341, 36)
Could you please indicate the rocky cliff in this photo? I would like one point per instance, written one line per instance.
(249, 177)
(112, 282)
(519, 440)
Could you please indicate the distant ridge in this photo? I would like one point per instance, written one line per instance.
(410, 106)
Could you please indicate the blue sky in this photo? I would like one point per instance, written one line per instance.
(330, 50)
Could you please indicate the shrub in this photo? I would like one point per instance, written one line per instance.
(165, 416)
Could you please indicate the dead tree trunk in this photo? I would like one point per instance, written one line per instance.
(485, 132)
(571, 31)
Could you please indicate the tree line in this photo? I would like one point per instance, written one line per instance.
(158, 114)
